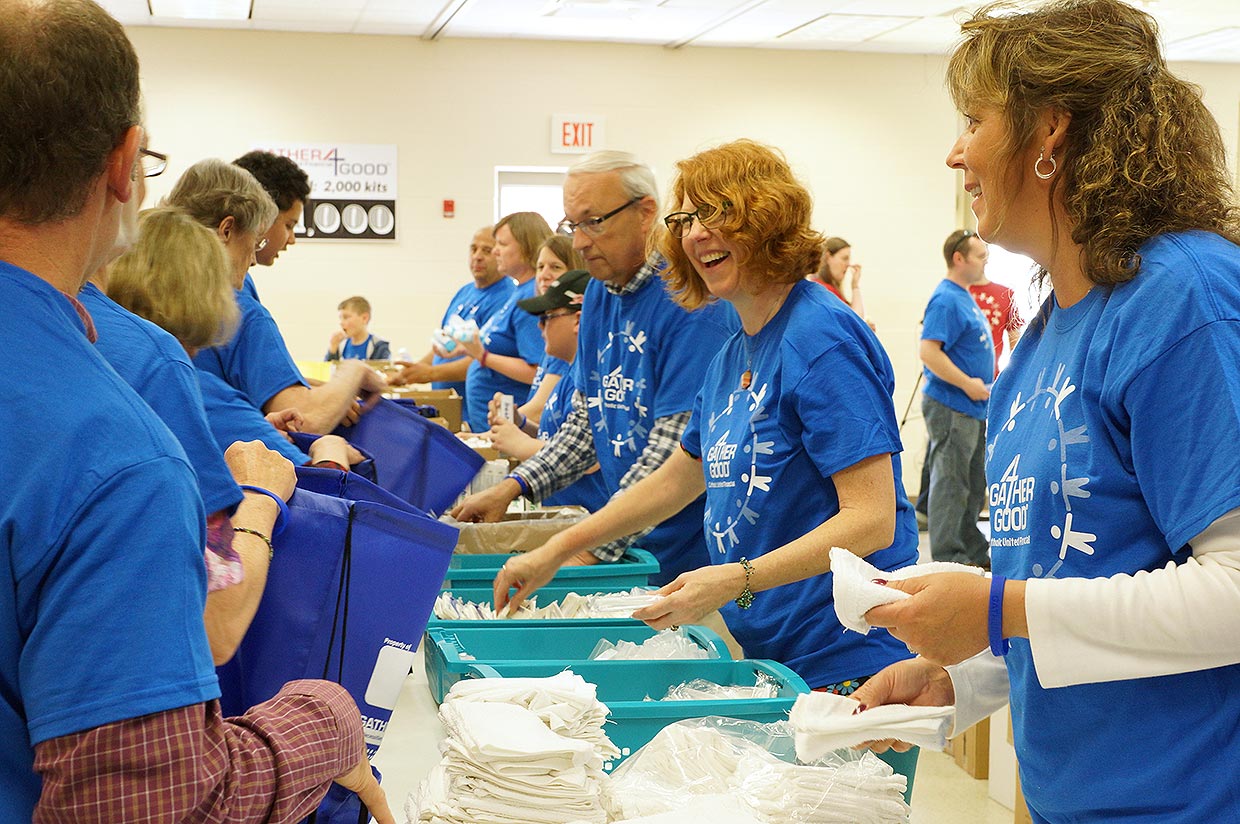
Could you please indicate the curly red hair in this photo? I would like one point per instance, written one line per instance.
(767, 219)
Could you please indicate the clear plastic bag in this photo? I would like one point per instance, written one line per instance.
(699, 689)
(753, 764)
(668, 645)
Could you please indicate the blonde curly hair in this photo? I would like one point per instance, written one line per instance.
(1143, 156)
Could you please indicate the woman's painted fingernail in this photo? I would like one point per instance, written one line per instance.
(860, 708)
(881, 581)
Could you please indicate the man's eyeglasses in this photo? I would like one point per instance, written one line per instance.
(592, 226)
(964, 238)
(152, 163)
(546, 316)
(679, 223)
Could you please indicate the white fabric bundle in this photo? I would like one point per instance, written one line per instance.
(824, 722)
(597, 605)
(713, 758)
(717, 809)
(518, 750)
(855, 592)
(668, 645)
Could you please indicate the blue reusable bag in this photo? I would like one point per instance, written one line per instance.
(349, 485)
(348, 596)
(416, 460)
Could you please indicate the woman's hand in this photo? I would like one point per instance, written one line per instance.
(254, 464)
(694, 595)
(855, 271)
(916, 682)
(493, 413)
(526, 573)
(945, 619)
(473, 346)
(489, 505)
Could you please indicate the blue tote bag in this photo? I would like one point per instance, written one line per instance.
(348, 596)
(365, 469)
(416, 460)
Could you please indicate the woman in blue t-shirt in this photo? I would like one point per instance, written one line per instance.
(1114, 479)
(793, 436)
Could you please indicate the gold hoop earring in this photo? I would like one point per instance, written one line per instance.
(1043, 159)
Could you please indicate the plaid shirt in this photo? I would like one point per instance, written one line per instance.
(274, 763)
(570, 451)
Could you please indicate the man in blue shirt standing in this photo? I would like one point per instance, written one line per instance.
(959, 363)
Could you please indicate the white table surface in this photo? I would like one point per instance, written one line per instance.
(410, 744)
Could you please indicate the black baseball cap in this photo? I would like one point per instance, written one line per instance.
(566, 291)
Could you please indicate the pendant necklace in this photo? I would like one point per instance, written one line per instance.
(747, 375)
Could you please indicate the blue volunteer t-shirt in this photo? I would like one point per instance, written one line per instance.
(102, 533)
(255, 361)
(248, 287)
(478, 305)
(155, 366)
(511, 331)
(954, 319)
(641, 357)
(1112, 444)
(819, 402)
(588, 490)
(232, 418)
(357, 351)
(548, 366)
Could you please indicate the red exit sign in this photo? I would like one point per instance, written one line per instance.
(576, 134)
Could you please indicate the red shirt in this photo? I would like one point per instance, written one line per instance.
(996, 304)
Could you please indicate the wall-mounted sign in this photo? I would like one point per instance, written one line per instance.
(577, 134)
(352, 189)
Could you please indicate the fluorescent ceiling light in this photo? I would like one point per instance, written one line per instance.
(593, 8)
(1215, 43)
(845, 28)
(203, 9)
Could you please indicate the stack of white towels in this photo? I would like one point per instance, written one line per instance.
(518, 750)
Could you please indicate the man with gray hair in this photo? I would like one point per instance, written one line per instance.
(640, 363)
(108, 707)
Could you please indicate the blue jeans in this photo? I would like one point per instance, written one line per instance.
(957, 460)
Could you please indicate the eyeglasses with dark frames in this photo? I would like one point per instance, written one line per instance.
(552, 315)
(593, 226)
(153, 163)
(968, 233)
(679, 223)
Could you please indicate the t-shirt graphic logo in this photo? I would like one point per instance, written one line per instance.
(1012, 493)
(719, 457)
(616, 387)
(719, 470)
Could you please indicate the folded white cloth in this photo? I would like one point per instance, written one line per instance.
(448, 607)
(823, 722)
(855, 592)
(717, 809)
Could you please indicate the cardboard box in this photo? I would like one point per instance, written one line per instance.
(447, 401)
(971, 749)
(517, 531)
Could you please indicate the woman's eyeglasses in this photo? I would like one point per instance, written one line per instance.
(679, 223)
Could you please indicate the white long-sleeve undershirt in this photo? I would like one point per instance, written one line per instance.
(1179, 618)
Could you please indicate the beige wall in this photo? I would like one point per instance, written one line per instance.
(867, 133)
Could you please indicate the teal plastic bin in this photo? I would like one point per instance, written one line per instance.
(546, 595)
(624, 685)
(632, 570)
(557, 645)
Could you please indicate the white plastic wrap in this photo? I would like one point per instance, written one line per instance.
(749, 762)
(596, 605)
(668, 645)
(699, 689)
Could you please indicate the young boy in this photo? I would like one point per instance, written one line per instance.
(353, 339)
